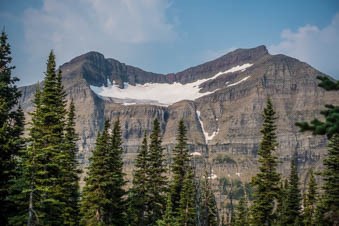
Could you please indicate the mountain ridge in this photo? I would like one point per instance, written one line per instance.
(226, 121)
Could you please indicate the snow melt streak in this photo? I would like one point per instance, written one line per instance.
(207, 137)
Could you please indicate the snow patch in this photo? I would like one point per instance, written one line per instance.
(238, 82)
(127, 104)
(195, 153)
(212, 176)
(162, 93)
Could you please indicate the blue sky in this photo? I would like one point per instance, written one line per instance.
(168, 36)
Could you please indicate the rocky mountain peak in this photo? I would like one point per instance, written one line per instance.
(224, 116)
(98, 70)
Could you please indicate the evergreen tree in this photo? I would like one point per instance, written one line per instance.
(179, 166)
(71, 184)
(50, 155)
(187, 208)
(328, 84)
(330, 126)
(11, 128)
(118, 206)
(291, 212)
(266, 182)
(168, 218)
(94, 196)
(329, 206)
(102, 202)
(156, 179)
(281, 203)
(23, 192)
(137, 194)
(310, 200)
(43, 165)
(327, 211)
(241, 216)
(208, 206)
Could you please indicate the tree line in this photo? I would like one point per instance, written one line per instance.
(40, 184)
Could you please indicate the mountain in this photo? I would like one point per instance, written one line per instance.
(221, 102)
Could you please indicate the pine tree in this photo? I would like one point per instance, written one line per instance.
(156, 179)
(310, 200)
(117, 210)
(137, 199)
(168, 218)
(281, 203)
(71, 184)
(102, 200)
(291, 212)
(208, 206)
(94, 196)
(23, 192)
(46, 173)
(330, 126)
(179, 166)
(329, 205)
(266, 182)
(50, 155)
(327, 211)
(241, 216)
(187, 209)
(11, 128)
(43, 164)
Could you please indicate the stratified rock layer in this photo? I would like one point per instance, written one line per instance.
(233, 114)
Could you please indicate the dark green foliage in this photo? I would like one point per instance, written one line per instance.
(327, 212)
(329, 205)
(94, 195)
(168, 218)
(223, 159)
(23, 192)
(156, 179)
(71, 185)
(102, 200)
(238, 188)
(241, 216)
(310, 200)
(266, 182)
(117, 210)
(331, 124)
(187, 208)
(291, 214)
(208, 206)
(329, 127)
(179, 166)
(47, 155)
(11, 128)
(328, 84)
(137, 203)
(147, 198)
(181, 203)
(281, 203)
(46, 170)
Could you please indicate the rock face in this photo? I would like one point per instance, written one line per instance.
(225, 121)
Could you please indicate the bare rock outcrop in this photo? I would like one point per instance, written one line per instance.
(227, 121)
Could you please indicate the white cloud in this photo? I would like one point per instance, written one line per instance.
(316, 46)
(116, 28)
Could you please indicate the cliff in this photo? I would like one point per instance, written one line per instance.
(223, 118)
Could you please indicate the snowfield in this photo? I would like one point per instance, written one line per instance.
(161, 93)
